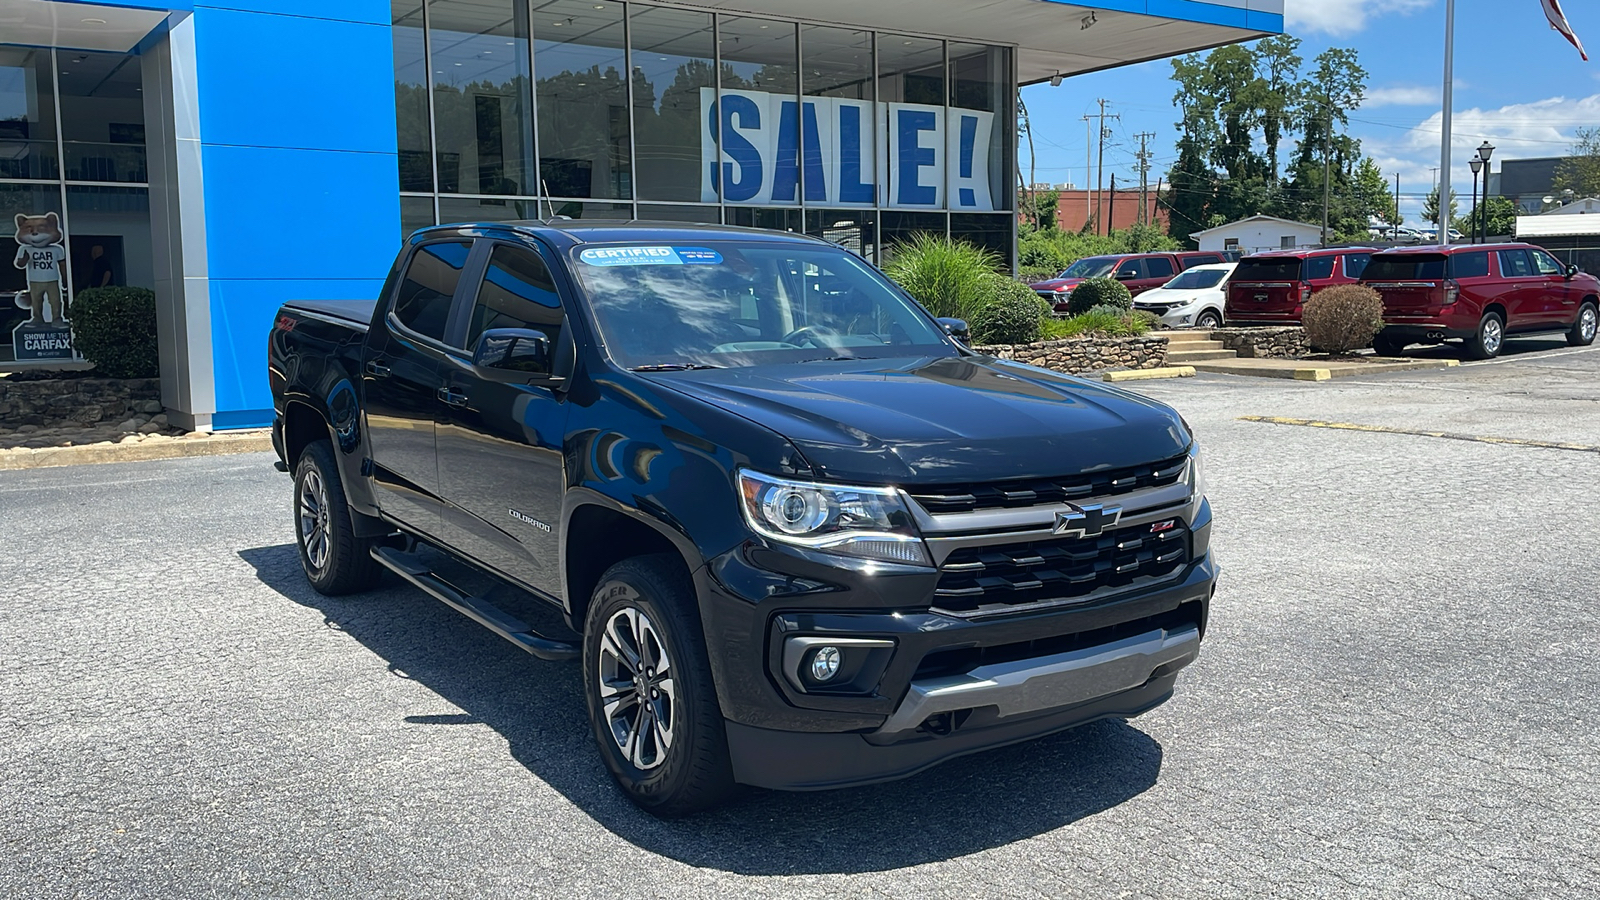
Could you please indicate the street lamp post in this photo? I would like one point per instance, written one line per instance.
(1485, 151)
(1477, 166)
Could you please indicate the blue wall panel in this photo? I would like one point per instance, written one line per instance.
(371, 11)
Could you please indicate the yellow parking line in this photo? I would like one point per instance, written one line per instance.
(1446, 435)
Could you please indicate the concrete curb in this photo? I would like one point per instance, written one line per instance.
(1297, 370)
(88, 454)
(1149, 374)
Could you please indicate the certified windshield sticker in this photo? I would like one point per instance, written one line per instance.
(649, 256)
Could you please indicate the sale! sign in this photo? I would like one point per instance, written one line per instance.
(932, 158)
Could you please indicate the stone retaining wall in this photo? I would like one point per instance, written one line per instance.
(1087, 354)
(82, 401)
(1273, 342)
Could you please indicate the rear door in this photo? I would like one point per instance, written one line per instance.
(1522, 291)
(501, 434)
(1158, 270)
(1321, 272)
(402, 377)
(1265, 289)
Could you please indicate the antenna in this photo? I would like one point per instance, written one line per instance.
(544, 188)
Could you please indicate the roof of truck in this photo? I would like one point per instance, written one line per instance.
(571, 232)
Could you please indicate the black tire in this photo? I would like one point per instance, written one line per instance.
(1490, 338)
(1208, 319)
(1388, 346)
(652, 596)
(1583, 327)
(335, 560)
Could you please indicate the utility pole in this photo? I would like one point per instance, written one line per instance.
(1111, 219)
(1088, 168)
(1144, 176)
(1394, 232)
(1327, 182)
(1100, 176)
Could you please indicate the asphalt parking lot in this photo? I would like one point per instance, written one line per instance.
(1397, 697)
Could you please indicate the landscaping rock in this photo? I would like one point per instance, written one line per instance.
(1272, 342)
(1087, 354)
(130, 425)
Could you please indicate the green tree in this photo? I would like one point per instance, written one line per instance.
(1502, 212)
(1580, 172)
(1430, 207)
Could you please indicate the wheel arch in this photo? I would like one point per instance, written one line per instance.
(597, 535)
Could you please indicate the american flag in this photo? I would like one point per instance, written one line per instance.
(1558, 21)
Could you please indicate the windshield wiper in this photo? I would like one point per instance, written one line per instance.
(672, 367)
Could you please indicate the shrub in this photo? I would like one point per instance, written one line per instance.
(1102, 321)
(1342, 318)
(1099, 292)
(115, 328)
(1010, 315)
(945, 275)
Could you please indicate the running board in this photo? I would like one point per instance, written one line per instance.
(478, 610)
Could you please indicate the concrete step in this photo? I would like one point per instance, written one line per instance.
(1186, 357)
(1184, 336)
(1195, 345)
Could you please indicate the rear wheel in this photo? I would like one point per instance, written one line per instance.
(1489, 340)
(1384, 345)
(1208, 319)
(1582, 333)
(648, 683)
(335, 560)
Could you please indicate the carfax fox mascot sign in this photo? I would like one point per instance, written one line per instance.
(42, 255)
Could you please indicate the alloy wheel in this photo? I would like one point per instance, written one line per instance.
(1493, 335)
(314, 519)
(637, 692)
(1587, 321)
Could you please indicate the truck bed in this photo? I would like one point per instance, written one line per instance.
(357, 313)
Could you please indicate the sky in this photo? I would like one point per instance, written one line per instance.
(1518, 84)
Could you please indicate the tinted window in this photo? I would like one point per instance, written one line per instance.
(1469, 265)
(1189, 262)
(1355, 264)
(1320, 268)
(1285, 268)
(1158, 267)
(423, 303)
(516, 293)
(1130, 268)
(1546, 264)
(1090, 267)
(1405, 267)
(1197, 279)
(1515, 264)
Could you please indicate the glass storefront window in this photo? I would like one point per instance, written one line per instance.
(573, 209)
(838, 149)
(415, 133)
(770, 219)
(102, 116)
(853, 229)
(991, 231)
(472, 209)
(27, 115)
(760, 107)
(415, 212)
(979, 128)
(673, 80)
(480, 96)
(900, 226)
(108, 240)
(580, 57)
(664, 212)
(911, 86)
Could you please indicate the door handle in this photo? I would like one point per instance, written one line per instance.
(378, 369)
(452, 398)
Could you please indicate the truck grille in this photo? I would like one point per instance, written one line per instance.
(1012, 494)
(976, 581)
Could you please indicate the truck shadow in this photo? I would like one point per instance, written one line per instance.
(962, 807)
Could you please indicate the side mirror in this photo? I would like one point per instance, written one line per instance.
(514, 350)
(1126, 276)
(1572, 272)
(956, 328)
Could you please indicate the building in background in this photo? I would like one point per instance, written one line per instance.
(236, 154)
(1120, 209)
(1259, 233)
(1571, 232)
(1528, 182)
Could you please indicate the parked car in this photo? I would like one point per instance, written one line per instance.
(1139, 271)
(801, 535)
(1271, 288)
(1194, 298)
(1479, 294)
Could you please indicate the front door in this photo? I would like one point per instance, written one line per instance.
(501, 470)
(1560, 297)
(402, 375)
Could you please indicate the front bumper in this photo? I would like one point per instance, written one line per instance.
(1173, 316)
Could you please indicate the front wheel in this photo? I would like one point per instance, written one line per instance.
(648, 684)
(1582, 333)
(1489, 340)
(335, 560)
(1208, 319)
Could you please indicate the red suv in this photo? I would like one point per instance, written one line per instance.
(1139, 271)
(1270, 288)
(1479, 293)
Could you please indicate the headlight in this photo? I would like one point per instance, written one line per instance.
(1197, 470)
(868, 522)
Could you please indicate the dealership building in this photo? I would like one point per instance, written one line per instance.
(237, 154)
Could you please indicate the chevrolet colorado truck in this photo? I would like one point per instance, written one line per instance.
(801, 536)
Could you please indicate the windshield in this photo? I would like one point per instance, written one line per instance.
(1196, 279)
(1092, 267)
(725, 304)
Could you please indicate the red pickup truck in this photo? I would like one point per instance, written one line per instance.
(1139, 271)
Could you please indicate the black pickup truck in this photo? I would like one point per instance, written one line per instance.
(802, 537)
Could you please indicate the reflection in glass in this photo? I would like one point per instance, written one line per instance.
(979, 80)
(991, 231)
(760, 110)
(102, 116)
(415, 212)
(912, 156)
(838, 149)
(579, 59)
(772, 219)
(453, 210)
(853, 229)
(593, 210)
(672, 63)
(900, 226)
(27, 116)
(481, 86)
(411, 97)
(662, 212)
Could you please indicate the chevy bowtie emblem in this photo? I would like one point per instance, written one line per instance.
(1087, 521)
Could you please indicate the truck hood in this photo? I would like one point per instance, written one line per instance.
(946, 420)
(1056, 284)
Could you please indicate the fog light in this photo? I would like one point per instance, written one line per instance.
(825, 663)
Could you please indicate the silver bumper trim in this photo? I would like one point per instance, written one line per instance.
(1048, 682)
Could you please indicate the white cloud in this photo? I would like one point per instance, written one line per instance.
(1540, 128)
(1341, 18)
(1403, 95)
